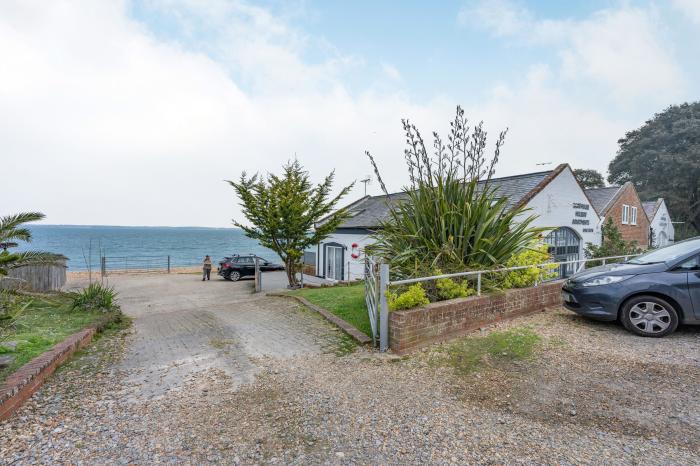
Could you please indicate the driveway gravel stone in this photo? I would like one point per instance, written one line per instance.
(593, 394)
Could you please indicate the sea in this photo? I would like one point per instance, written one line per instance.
(136, 246)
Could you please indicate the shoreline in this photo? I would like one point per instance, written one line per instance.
(173, 270)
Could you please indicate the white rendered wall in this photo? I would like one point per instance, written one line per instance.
(356, 266)
(662, 222)
(562, 203)
(556, 206)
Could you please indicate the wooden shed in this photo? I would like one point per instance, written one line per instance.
(48, 277)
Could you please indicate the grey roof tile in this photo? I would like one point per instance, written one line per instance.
(600, 197)
(650, 207)
(372, 210)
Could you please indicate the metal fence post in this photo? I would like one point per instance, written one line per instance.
(103, 265)
(383, 308)
(478, 284)
(168, 263)
(257, 275)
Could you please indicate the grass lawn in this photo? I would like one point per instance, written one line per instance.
(47, 321)
(470, 353)
(347, 302)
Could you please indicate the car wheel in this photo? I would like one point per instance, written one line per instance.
(649, 316)
(234, 276)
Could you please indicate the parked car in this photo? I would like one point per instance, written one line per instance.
(237, 266)
(650, 294)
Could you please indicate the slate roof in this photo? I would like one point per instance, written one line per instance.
(369, 211)
(650, 207)
(601, 197)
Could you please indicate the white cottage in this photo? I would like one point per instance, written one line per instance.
(554, 196)
(661, 231)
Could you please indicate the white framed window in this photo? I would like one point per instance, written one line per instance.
(625, 214)
(633, 217)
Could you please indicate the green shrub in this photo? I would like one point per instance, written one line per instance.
(95, 297)
(447, 288)
(414, 296)
(524, 278)
(613, 245)
(12, 306)
(449, 216)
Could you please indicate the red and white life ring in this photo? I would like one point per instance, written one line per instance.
(355, 253)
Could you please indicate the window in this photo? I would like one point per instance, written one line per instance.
(633, 220)
(625, 214)
(668, 253)
(564, 245)
(690, 264)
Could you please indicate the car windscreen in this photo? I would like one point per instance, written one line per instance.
(669, 253)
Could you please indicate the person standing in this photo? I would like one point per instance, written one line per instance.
(206, 268)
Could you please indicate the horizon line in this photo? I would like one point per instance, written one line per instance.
(127, 226)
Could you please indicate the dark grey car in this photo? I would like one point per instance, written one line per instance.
(650, 294)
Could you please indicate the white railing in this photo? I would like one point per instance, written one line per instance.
(385, 283)
(580, 263)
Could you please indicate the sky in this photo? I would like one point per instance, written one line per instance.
(122, 112)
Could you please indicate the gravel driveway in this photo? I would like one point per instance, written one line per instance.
(592, 394)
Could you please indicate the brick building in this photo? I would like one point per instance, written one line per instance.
(623, 206)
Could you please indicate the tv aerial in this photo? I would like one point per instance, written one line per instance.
(366, 181)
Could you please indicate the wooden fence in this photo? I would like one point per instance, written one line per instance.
(36, 277)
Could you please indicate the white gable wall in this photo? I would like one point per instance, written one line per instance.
(661, 226)
(562, 203)
(352, 268)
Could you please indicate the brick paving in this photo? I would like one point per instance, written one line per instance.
(184, 326)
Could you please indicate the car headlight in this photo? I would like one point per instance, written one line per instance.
(606, 280)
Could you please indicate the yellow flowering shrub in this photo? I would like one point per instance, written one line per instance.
(524, 278)
(414, 296)
(447, 288)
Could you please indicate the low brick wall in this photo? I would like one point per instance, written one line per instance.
(416, 328)
(22, 384)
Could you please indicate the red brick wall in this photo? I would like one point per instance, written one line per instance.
(416, 328)
(22, 384)
(638, 232)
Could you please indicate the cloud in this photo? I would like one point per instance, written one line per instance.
(107, 119)
(690, 8)
(391, 72)
(103, 122)
(501, 17)
(622, 50)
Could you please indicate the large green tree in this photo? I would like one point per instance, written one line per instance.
(589, 178)
(12, 229)
(284, 212)
(662, 159)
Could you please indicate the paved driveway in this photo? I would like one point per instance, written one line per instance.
(184, 326)
(592, 393)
